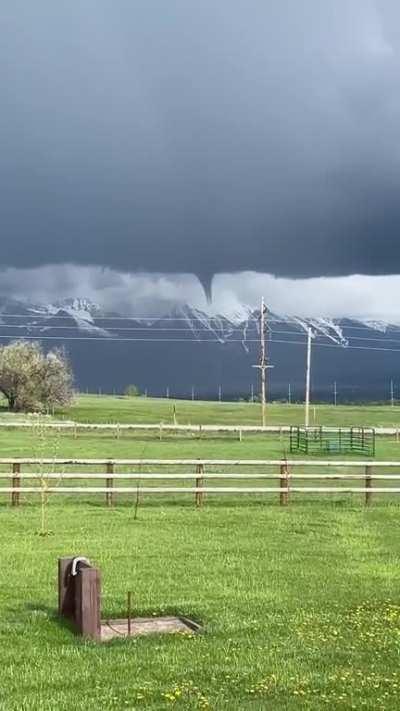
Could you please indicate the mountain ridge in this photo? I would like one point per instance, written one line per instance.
(184, 347)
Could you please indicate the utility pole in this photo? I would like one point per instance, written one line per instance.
(334, 393)
(167, 391)
(252, 393)
(220, 393)
(289, 395)
(263, 365)
(391, 393)
(308, 373)
(262, 359)
(192, 392)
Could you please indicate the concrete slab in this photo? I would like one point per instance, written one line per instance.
(114, 629)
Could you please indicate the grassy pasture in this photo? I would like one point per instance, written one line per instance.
(300, 605)
(106, 408)
(105, 444)
(301, 608)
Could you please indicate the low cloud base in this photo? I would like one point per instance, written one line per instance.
(357, 296)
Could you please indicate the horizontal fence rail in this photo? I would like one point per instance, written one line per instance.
(165, 428)
(205, 462)
(48, 477)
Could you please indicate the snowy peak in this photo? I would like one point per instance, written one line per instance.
(219, 327)
(80, 317)
(82, 312)
(79, 308)
(69, 314)
(322, 327)
(211, 349)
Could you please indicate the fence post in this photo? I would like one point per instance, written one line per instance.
(109, 484)
(16, 483)
(87, 602)
(199, 482)
(66, 591)
(368, 485)
(284, 484)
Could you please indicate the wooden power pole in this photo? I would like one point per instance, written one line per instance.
(263, 365)
(308, 374)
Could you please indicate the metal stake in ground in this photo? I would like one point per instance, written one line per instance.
(129, 610)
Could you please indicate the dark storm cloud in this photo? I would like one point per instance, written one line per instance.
(201, 136)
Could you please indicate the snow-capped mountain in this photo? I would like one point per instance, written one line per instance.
(186, 347)
(37, 319)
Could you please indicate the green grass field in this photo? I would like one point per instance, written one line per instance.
(300, 605)
(93, 408)
(300, 608)
(92, 444)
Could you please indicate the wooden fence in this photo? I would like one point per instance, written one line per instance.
(161, 428)
(50, 478)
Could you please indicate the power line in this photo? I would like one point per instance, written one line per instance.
(358, 348)
(148, 340)
(389, 327)
(31, 326)
(130, 318)
(252, 318)
(221, 341)
(337, 345)
(349, 338)
(379, 340)
(110, 328)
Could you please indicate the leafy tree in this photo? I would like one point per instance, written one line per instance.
(33, 380)
(132, 391)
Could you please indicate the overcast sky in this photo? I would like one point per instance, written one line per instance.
(202, 138)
